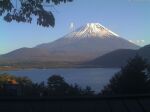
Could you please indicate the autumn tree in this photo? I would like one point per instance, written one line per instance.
(10, 79)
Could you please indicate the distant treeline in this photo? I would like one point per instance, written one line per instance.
(38, 65)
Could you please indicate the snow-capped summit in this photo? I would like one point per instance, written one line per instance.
(87, 42)
(92, 30)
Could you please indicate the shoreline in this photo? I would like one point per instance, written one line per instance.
(85, 67)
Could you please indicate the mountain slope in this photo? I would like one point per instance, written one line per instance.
(24, 54)
(84, 44)
(120, 57)
(145, 52)
(87, 42)
(116, 58)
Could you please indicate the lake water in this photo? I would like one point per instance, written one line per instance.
(96, 78)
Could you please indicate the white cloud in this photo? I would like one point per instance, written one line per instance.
(72, 26)
(139, 42)
(143, 41)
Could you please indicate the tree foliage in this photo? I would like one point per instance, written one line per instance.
(132, 79)
(10, 79)
(27, 9)
(56, 86)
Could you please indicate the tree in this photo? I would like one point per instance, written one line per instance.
(88, 91)
(23, 81)
(132, 79)
(10, 79)
(10, 85)
(75, 90)
(7, 79)
(57, 85)
(24, 10)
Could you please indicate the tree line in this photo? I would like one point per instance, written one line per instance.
(56, 86)
(134, 78)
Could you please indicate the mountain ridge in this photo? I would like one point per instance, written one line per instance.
(119, 58)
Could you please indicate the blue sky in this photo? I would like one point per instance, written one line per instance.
(128, 18)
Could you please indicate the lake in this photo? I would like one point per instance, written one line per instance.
(96, 78)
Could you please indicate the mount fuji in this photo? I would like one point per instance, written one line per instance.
(83, 44)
